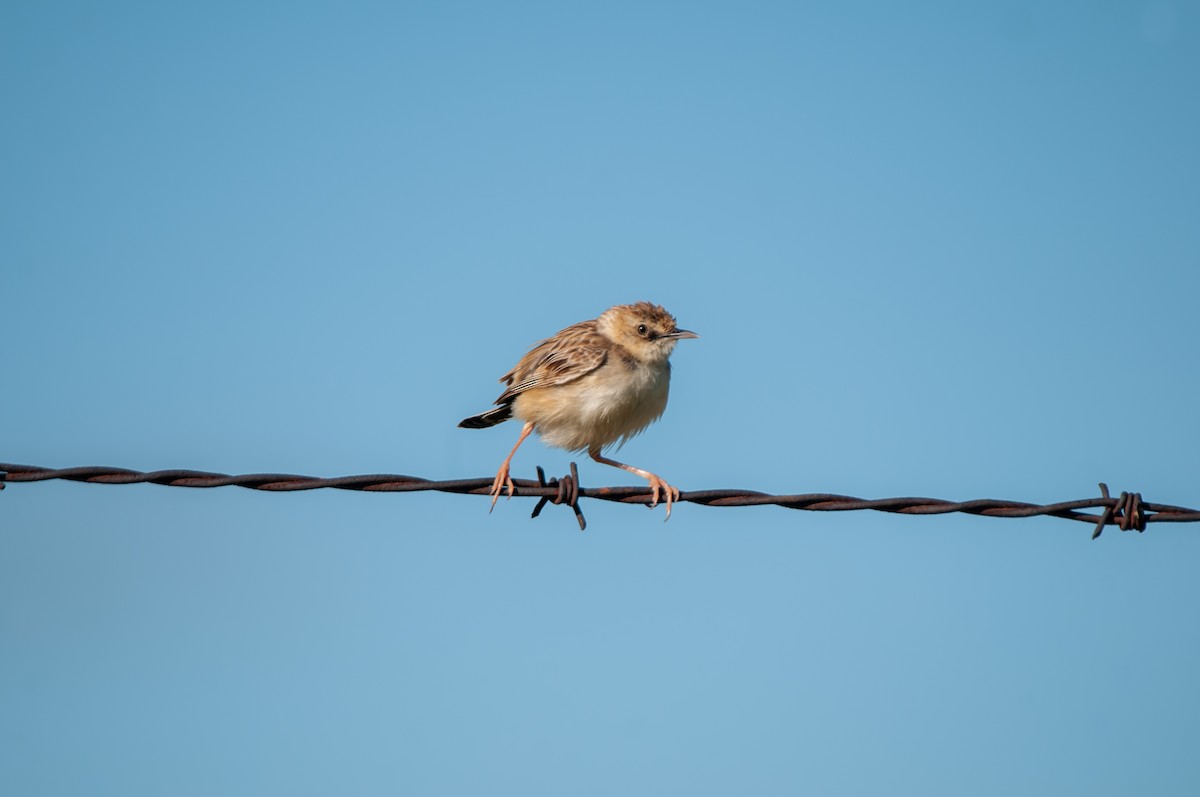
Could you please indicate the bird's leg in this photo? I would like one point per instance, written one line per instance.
(656, 484)
(502, 479)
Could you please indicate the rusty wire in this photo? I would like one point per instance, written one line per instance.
(1127, 512)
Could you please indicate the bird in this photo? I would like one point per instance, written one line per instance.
(591, 385)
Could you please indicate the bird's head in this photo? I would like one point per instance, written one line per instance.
(645, 330)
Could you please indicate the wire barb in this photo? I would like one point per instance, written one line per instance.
(1127, 512)
(568, 493)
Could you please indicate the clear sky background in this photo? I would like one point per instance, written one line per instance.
(936, 249)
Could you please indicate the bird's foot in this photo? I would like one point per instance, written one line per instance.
(669, 493)
(501, 481)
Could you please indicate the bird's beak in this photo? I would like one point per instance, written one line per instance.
(680, 334)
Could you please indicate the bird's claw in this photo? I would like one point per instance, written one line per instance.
(502, 480)
(671, 494)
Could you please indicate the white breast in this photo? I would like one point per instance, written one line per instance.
(613, 403)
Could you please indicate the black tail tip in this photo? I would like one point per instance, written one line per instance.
(486, 419)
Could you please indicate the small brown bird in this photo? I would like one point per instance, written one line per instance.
(593, 384)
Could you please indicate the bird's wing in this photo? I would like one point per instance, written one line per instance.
(573, 353)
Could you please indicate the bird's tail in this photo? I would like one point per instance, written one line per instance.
(486, 419)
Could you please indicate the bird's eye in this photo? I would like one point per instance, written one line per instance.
(642, 330)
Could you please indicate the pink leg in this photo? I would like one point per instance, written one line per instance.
(502, 479)
(656, 484)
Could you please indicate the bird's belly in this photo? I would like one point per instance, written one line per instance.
(598, 410)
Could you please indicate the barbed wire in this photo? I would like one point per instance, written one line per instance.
(1127, 512)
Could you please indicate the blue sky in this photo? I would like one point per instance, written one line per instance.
(931, 248)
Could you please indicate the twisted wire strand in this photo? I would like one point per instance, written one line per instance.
(1128, 511)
